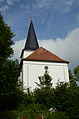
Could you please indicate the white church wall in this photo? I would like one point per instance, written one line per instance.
(26, 54)
(31, 71)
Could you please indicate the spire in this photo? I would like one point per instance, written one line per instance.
(31, 43)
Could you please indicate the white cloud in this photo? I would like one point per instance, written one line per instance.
(67, 48)
(7, 4)
(43, 3)
(58, 5)
(5, 7)
(68, 4)
(18, 46)
(10, 2)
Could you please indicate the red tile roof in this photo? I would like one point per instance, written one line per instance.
(41, 54)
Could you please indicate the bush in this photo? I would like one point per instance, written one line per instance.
(57, 115)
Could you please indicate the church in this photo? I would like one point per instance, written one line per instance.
(34, 59)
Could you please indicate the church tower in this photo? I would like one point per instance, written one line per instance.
(34, 59)
(31, 43)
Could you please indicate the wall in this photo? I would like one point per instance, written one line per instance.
(26, 54)
(31, 71)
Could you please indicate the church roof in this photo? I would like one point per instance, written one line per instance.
(31, 42)
(41, 54)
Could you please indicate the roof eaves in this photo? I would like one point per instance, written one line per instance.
(45, 61)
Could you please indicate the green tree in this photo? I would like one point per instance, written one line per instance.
(44, 94)
(9, 84)
(44, 97)
(58, 115)
(45, 80)
(76, 73)
(66, 98)
(5, 40)
(72, 78)
(10, 92)
(61, 96)
(73, 110)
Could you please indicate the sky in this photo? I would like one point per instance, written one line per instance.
(56, 23)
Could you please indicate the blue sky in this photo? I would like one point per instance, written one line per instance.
(55, 21)
(52, 18)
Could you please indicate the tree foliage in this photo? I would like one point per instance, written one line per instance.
(10, 92)
(42, 94)
(72, 79)
(9, 84)
(44, 97)
(66, 99)
(9, 75)
(76, 73)
(63, 98)
(45, 80)
(5, 39)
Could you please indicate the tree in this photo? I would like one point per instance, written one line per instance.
(66, 98)
(45, 80)
(73, 110)
(5, 40)
(76, 73)
(61, 97)
(9, 85)
(72, 78)
(44, 97)
(44, 94)
(10, 92)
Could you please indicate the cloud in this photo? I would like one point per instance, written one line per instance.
(17, 47)
(5, 7)
(58, 5)
(43, 3)
(67, 48)
(68, 4)
(5, 4)
(10, 2)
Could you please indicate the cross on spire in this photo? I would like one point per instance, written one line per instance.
(30, 18)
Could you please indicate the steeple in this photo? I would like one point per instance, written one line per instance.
(31, 42)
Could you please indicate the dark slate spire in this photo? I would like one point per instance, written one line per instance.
(31, 43)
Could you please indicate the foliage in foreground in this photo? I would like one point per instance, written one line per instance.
(11, 94)
(33, 114)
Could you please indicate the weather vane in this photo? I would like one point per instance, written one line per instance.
(30, 18)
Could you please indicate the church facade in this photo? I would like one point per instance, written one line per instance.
(34, 59)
